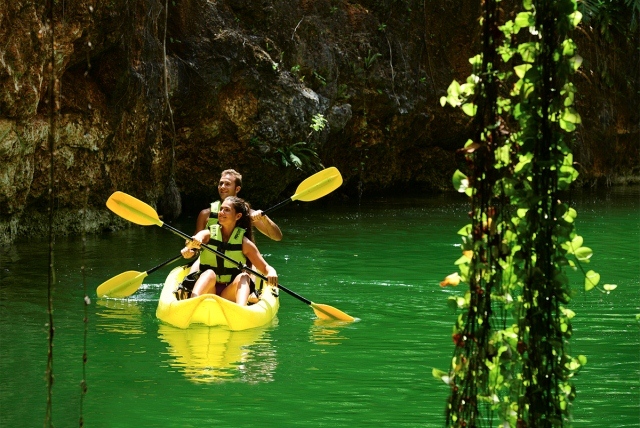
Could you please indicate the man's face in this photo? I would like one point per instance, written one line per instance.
(227, 186)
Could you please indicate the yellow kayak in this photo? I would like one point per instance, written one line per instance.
(213, 310)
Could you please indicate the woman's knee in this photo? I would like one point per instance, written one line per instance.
(206, 283)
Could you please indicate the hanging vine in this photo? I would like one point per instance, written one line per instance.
(54, 108)
(510, 361)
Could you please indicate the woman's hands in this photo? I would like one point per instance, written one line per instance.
(272, 276)
(192, 246)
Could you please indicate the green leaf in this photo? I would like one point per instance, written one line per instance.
(525, 19)
(584, 253)
(568, 312)
(591, 279)
(454, 89)
(443, 101)
(503, 155)
(567, 126)
(582, 359)
(610, 287)
(528, 51)
(568, 47)
(576, 62)
(439, 374)
(577, 242)
(465, 231)
(476, 61)
(469, 109)
(460, 181)
(522, 69)
(575, 18)
(571, 115)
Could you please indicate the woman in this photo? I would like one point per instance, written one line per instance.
(233, 236)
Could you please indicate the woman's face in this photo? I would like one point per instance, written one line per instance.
(227, 214)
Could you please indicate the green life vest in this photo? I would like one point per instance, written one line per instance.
(225, 270)
(213, 216)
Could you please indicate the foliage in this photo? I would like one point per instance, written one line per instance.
(300, 155)
(608, 15)
(318, 122)
(510, 357)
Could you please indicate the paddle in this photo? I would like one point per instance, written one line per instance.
(318, 185)
(126, 283)
(136, 211)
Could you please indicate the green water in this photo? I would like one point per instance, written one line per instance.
(380, 261)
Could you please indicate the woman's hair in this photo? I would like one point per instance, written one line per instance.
(241, 206)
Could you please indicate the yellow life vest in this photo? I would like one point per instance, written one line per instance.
(213, 216)
(225, 270)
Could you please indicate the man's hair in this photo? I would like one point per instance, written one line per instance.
(235, 174)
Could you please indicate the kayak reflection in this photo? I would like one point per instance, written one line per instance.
(119, 316)
(215, 354)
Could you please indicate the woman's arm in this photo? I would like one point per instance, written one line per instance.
(192, 246)
(251, 252)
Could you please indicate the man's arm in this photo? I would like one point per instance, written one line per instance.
(201, 221)
(265, 225)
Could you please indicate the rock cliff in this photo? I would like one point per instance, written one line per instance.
(158, 95)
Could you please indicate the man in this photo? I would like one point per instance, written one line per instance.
(229, 185)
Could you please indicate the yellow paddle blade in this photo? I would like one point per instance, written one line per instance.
(123, 285)
(132, 209)
(327, 312)
(318, 185)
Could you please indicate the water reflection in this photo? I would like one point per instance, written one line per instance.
(214, 354)
(327, 332)
(119, 316)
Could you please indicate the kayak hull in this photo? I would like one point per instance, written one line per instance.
(213, 310)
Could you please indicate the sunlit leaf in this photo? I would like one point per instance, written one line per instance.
(454, 89)
(576, 62)
(469, 109)
(522, 69)
(465, 231)
(453, 280)
(575, 18)
(439, 374)
(525, 19)
(567, 126)
(295, 160)
(502, 155)
(460, 181)
(443, 101)
(476, 61)
(577, 242)
(568, 47)
(528, 51)
(610, 287)
(568, 312)
(571, 115)
(591, 279)
(584, 253)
